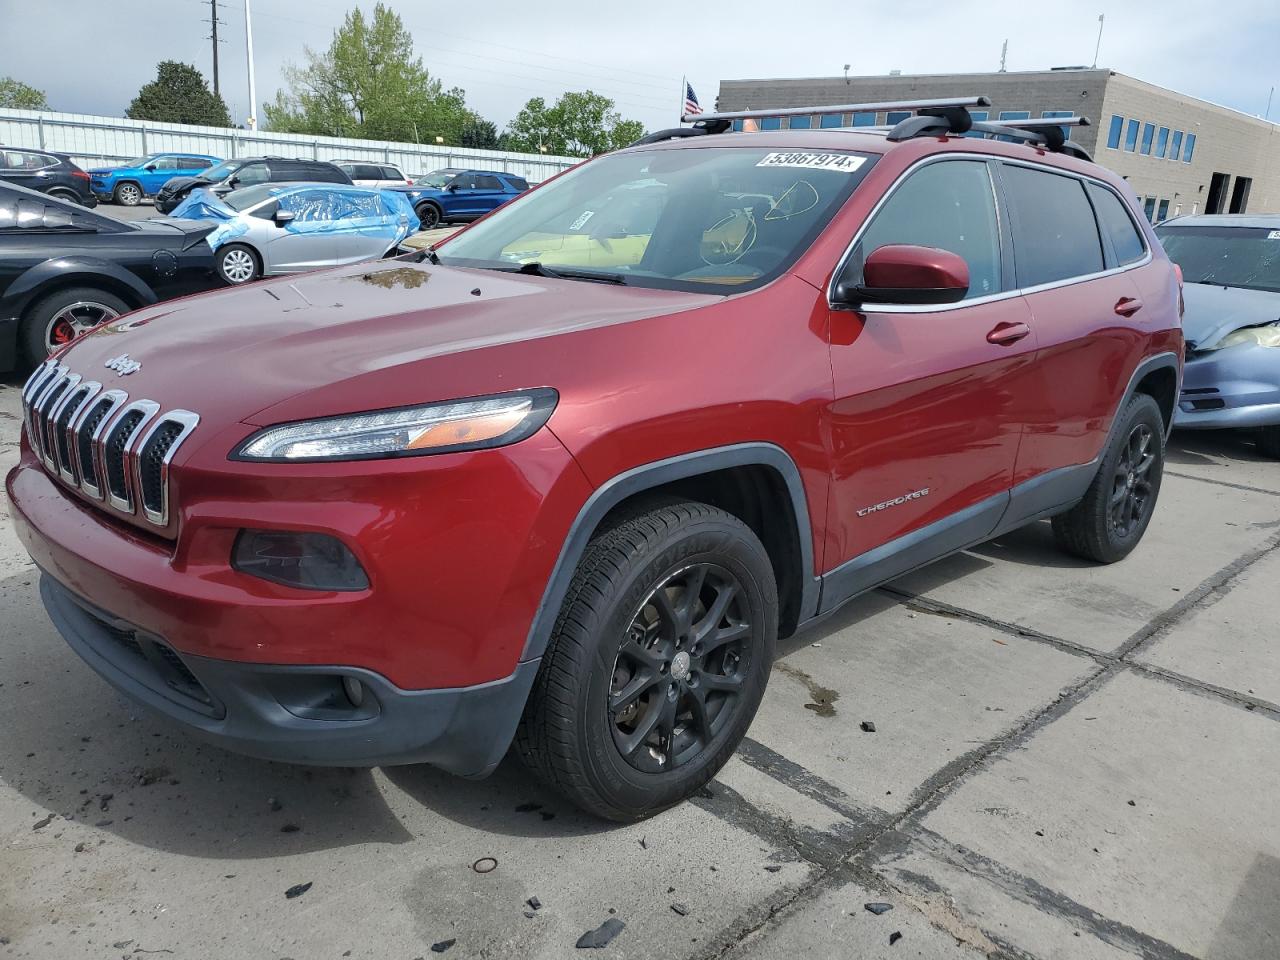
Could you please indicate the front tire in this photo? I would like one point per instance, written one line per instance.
(657, 662)
(1269, 442)
(428, 216)
(61, 317)
(127, 194)
(1111, 519)
(238, 264)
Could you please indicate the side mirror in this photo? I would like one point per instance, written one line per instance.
(450, 188)
(150, 167)
(907, 274)
(283, 216)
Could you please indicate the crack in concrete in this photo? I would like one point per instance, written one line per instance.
(1223, 483)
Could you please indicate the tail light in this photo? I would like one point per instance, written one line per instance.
(79, 174)
(1177, 272)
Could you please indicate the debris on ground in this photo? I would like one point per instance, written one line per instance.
(601, 936)
(41, 824)
(121, 944)
(290, 828)
(773, 867)
(80, 847)
(149, 775)
(298, 890)
(534, 903)
(529, 914)
(644, 845)
(877, 908)
(895, 937)
(867, 726)
(680, 909)
(528, 807)
(1039, 833)
(104, 802)
(485, 865)
(443, 945)
(1132, 803)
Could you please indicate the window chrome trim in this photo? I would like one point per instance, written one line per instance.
(127, 503)
(958, 155)
(95, 486)
(188, 422)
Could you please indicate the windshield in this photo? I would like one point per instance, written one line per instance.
(718, 219)
(437, 178)
(220, 172)
(1246, 257)
(138, 161)
(239, 200)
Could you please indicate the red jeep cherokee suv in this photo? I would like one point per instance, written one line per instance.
(564, 482)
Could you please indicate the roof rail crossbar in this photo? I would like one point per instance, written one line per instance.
(675, 133)
(1046, 132)
(883, 107)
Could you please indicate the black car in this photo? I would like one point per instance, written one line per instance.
(51, 173)
(64, 270)
(245, 172)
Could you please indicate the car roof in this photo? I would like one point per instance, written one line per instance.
(1269, 221)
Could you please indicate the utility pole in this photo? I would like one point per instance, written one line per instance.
(1102, 19)
(252, 120)
(1267, 115)
(1004, 53)
(213, 35)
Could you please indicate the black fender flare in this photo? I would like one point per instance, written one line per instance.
(647, 477)
(1157, 361)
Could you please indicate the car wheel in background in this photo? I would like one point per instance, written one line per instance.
(657, 661)
(61, 317)
(1269, 442)
(1112, 517)
(61, 194)
(428, 216)
(127, 194)
(238, 264)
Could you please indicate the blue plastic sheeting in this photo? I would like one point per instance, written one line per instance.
(316, 208)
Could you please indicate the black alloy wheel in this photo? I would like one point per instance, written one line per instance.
(1131, 498)
(679, 674)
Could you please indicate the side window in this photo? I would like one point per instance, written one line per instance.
(252, 173)
(463, 181)
(167, 163)
(352, 206)
(519, 183)
(949, 205)
(1117, 225)
(23, 160)
(366, 171)
(1055, 236)
(488, 183)
(309, 206)
(195, 163)
(391, 173)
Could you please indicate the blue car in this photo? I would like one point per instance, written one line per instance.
(466, 195)
(128, 183)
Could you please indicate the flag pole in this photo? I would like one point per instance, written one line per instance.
(684, 88)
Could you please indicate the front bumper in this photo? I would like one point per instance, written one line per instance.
(1236, 387)
(292, 713)
(101, 189)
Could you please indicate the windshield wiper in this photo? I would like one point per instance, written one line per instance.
(534, 268)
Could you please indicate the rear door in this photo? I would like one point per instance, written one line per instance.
(1080, 297)
(490, 193)
(928, 408)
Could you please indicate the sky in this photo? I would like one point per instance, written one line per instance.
(502, 52)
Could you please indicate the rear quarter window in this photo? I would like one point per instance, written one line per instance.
(1117, 225)
(518, 183)
(1055, 235)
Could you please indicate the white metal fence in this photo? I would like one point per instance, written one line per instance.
(96, 141)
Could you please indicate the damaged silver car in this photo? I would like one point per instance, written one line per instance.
(1231, 270)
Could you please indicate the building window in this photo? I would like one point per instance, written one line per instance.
(1162, 213)
(896, 116)
(1175, 148)
(1189, 148)
(864, 119)
(800, 123)
(1015, 114)
(1131, 136)
(770, 123)
(737, 126)
(1148, 132)
(1117, 128)
(831, 120)
(1149, 207)
(1162, 141)
(978, 117)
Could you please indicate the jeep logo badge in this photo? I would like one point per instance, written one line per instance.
(123, 365)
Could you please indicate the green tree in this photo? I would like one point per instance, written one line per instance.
(179, 94)
(478, 133)
(368, 84)
(578, 125)
(15, 93)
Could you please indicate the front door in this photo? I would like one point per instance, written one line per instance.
(306, 242)
(927, 415)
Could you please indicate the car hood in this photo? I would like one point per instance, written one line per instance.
(233, 354)
(104, 171)
(1213, 311)
(174, 184)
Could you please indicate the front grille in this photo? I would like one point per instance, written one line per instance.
(98, 441)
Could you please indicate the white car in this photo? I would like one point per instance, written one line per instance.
(364, 173)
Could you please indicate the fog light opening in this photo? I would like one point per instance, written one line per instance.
(354, 690)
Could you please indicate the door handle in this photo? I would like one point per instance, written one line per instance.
(1128, 306)
(1006, 333)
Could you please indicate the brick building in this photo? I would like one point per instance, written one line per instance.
(1180, 154)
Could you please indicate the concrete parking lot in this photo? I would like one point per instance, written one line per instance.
(1068, 761)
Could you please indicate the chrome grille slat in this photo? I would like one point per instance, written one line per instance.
(98, 441)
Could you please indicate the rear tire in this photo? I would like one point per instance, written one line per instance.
(1269, 442)
(238, 264)
(127, 194)
(656, 664)
(1111, 519)
(60, 317)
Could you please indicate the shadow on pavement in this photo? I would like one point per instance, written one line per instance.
(1211, 447)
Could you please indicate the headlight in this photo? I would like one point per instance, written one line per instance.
(475, 424)
(1268, 336)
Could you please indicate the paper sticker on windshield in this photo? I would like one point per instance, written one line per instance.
(840, 162)
(1274, 235)
(582, 220)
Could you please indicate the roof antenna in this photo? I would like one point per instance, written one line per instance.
(1004, 52)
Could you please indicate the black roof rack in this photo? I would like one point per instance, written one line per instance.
(932, 118)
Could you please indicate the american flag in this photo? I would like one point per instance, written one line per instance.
(691, 105)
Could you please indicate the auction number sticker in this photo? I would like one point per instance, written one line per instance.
(840, 162)
(1274, 235)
